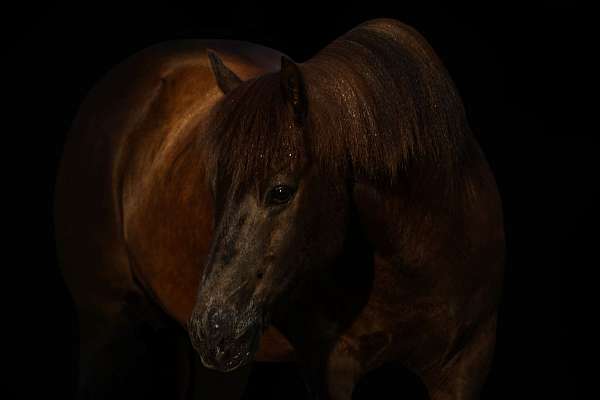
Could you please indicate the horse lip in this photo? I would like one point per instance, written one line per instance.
(227, 365)
(239, 359)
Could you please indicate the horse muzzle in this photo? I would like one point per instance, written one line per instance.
(225, 340)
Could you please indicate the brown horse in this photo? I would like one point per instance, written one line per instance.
(336, 212)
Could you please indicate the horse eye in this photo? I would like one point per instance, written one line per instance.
(280, 194)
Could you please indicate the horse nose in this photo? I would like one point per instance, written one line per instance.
(220, 343)
(217, 323)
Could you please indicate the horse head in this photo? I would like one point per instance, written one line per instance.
(277, 219)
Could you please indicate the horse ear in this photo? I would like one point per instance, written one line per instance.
(292, 86)
(226, 79)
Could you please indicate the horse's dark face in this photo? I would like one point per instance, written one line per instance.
(272, 229)
(267, 238)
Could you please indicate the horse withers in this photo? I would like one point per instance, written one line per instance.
(336, 212)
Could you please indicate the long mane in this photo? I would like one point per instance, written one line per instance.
(379, 102)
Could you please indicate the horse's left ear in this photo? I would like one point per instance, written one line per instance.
(226, 79)
(292, 86)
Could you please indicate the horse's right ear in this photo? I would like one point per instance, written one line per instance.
(226, 79)
(292, 86)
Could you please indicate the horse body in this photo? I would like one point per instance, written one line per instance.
(413, 269)
(128, 239)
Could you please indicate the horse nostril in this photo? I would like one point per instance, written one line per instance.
(215, 321)
(260, 274)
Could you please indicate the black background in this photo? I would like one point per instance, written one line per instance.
(521, 73)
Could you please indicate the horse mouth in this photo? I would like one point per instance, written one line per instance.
(227, 356)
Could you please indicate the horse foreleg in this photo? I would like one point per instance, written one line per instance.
(463, 374)
(127, 351)
(343, 372)
(334, 376)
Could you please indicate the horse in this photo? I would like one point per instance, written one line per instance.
(337, 213)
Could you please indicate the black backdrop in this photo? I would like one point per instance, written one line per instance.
(519, 70)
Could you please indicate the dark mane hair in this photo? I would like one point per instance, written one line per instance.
(252, 133)
(379, 102)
